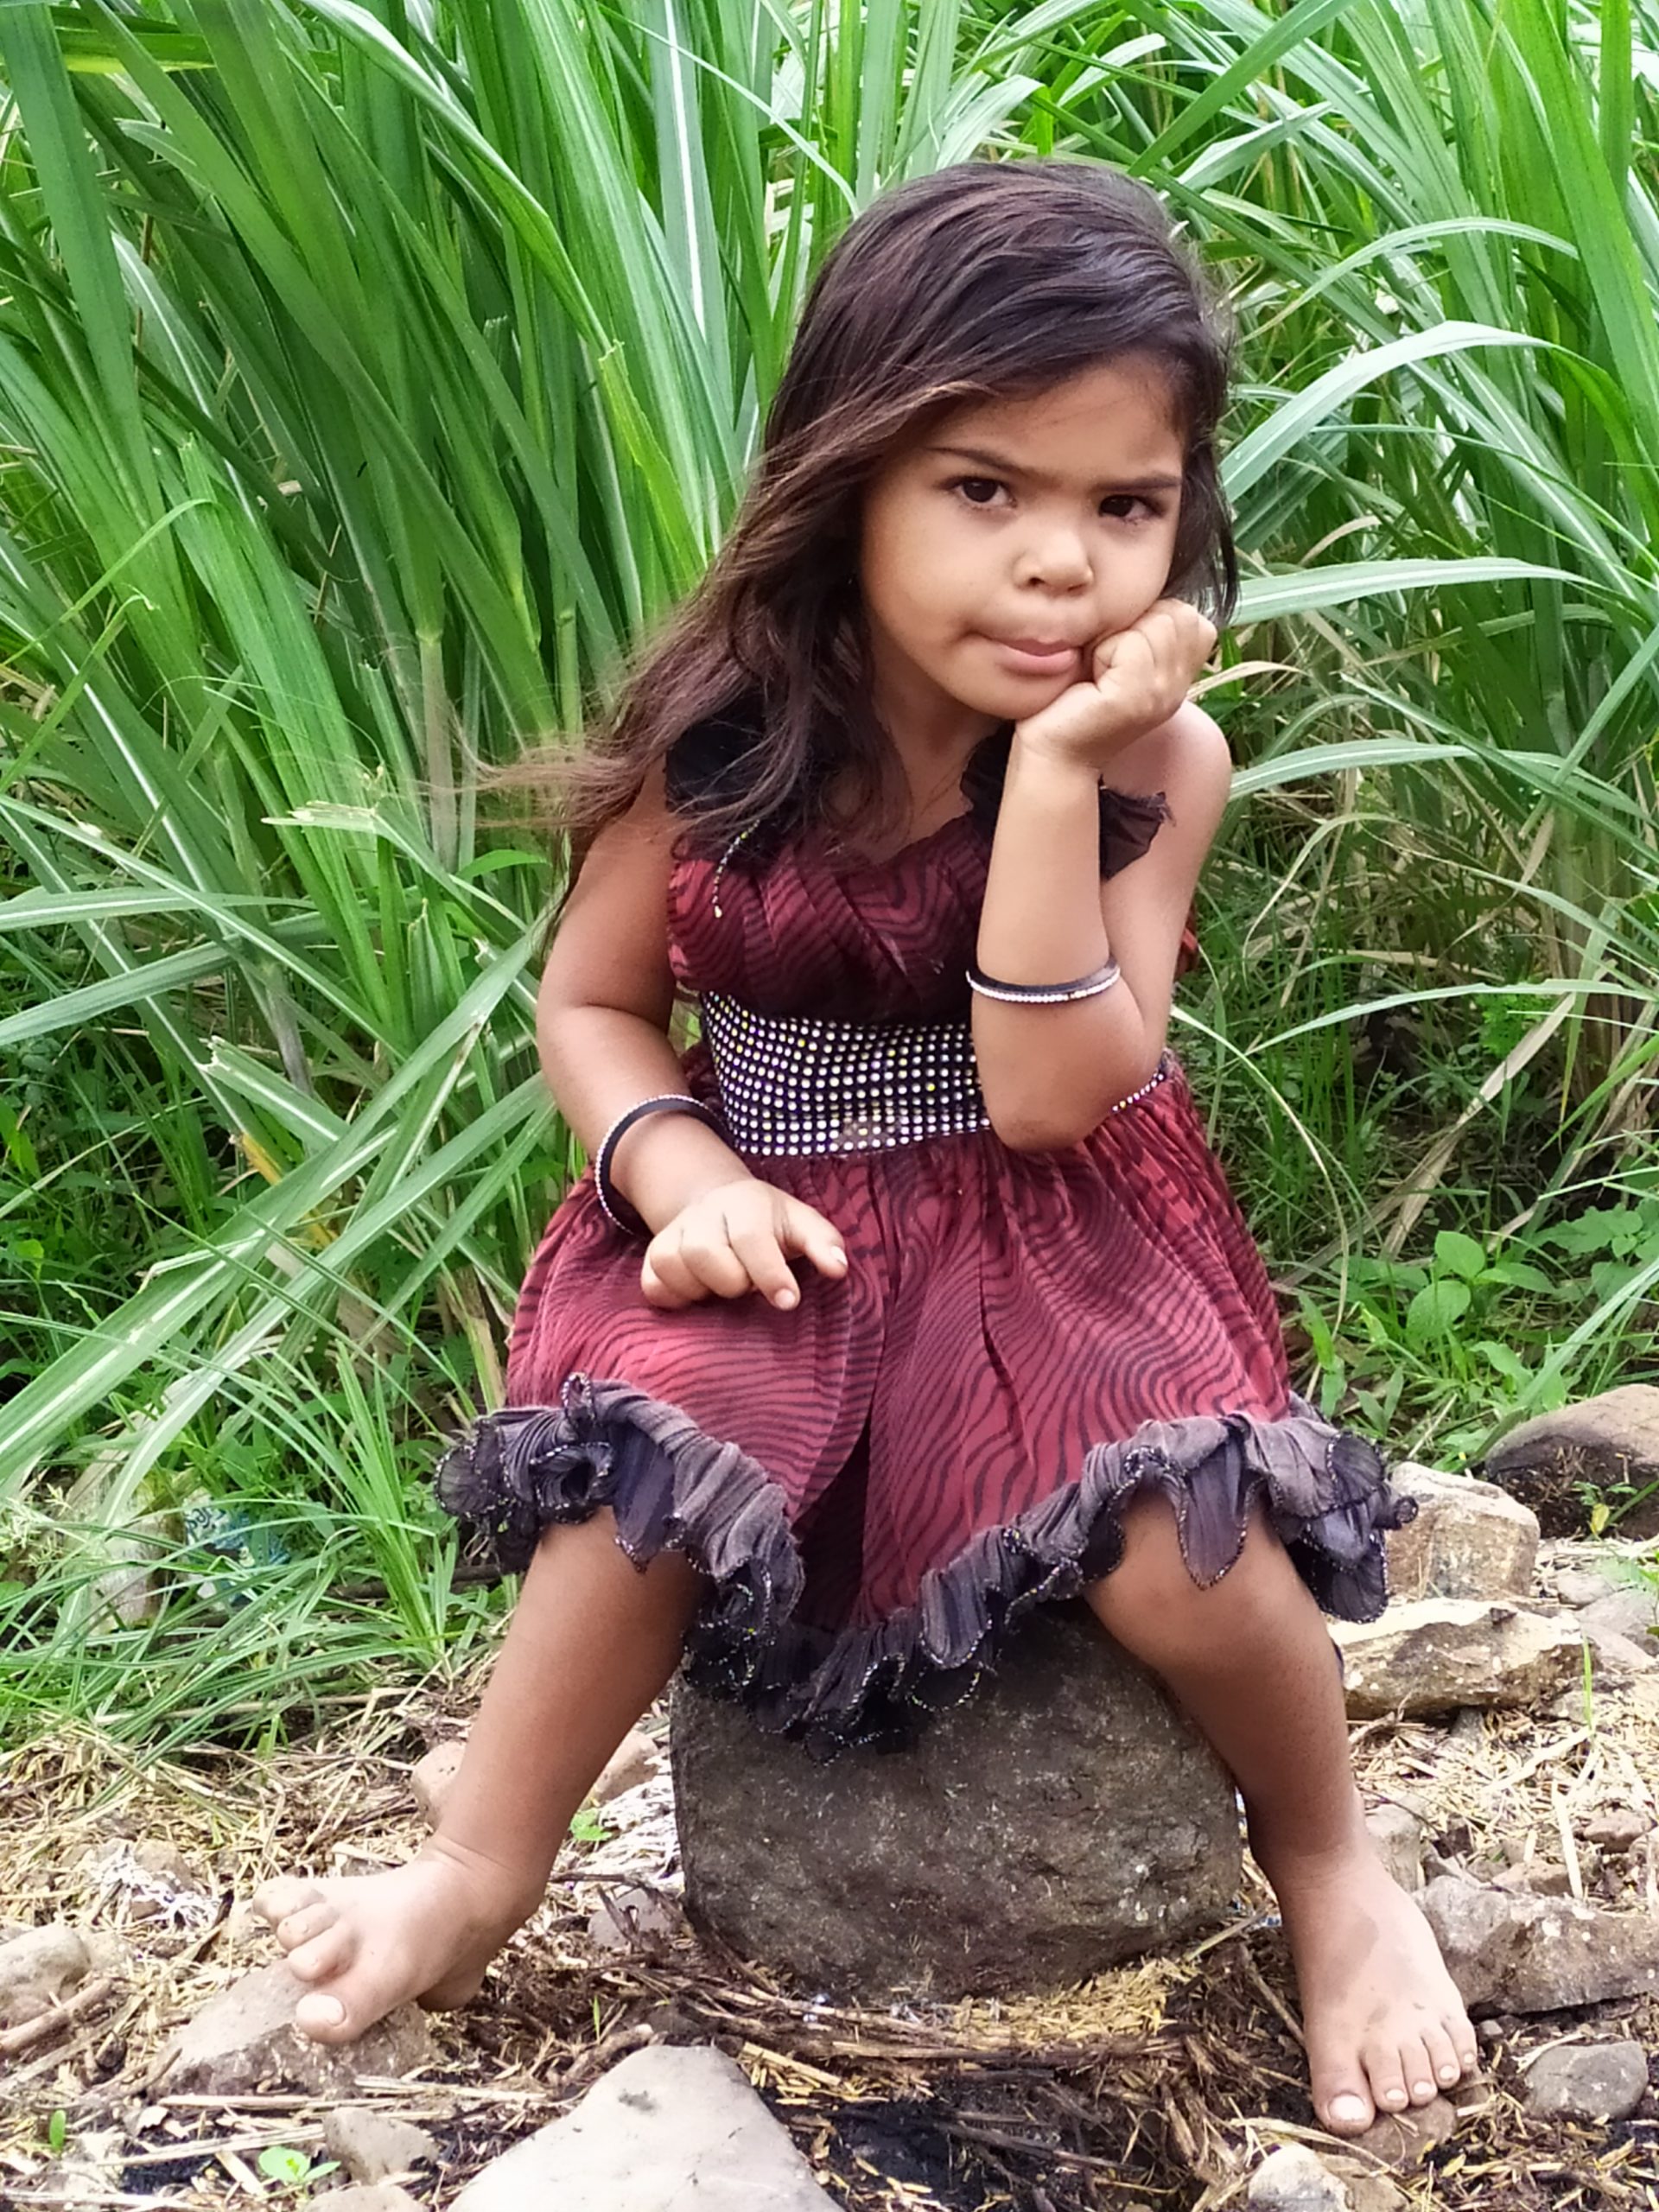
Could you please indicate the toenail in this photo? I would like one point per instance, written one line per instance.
(1394, 2097)
(1450, 2074)
(335, 2007)
(1349, 2108)
(1422, 2089)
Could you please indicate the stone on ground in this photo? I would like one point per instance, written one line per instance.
(1632, 1612)
(1405, 2138)
(1470, 1539)
(246, 2035)
(1591, 2081)
(632, 1918)
(1060, 1819)
(1614, 1655)
(372, 2145)
(382, 2197)
(1610, 1440)
(1579, 1587)
(1443, 1654)
(1295, 2179)
(669, 2127)
(39, 1969)
(635, 1759)
(1520, 1953)
(1616, 1828)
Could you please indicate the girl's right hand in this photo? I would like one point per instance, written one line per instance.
(735, 1238)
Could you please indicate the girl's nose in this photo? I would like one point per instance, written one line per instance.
(1058, 561)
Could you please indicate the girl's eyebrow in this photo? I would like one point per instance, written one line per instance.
(999, 465)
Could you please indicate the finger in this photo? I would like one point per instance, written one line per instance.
(768, 1269)
(666, 1283)
(806, 1231)
(713, 1263)
(668, 1272)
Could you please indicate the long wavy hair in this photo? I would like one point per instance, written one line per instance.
(987, 281)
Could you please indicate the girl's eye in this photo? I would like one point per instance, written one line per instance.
(986, 491)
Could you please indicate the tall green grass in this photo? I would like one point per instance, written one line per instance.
(370, 377)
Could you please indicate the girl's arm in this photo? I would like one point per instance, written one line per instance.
(603, 1011)
(1052, 1073)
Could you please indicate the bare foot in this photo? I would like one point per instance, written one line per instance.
(1386, 2028)
(369, 1942)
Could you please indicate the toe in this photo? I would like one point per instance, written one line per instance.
(1417, 2067)
(1387, 2077)
(296, 1927)
(1345, 2107)
(1443, 2058)
(322, 2019)
(326, 1954)
(283, 1894)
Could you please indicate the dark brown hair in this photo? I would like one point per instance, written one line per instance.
(985, 281)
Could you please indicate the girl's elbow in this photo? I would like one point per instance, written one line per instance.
(1054, 1124)
(1030, 1127)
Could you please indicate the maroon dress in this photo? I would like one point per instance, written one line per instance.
(880, 1483)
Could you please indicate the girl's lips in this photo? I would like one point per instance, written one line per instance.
(1028, 656)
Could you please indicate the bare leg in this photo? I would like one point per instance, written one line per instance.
(591, 1643)
(1251, 1661)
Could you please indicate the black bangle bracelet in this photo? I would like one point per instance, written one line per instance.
(615, 1208)
(1086, 987)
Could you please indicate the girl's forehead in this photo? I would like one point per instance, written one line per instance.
(1121, 413)
(1131, 398)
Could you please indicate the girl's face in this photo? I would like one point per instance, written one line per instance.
(1001, 544)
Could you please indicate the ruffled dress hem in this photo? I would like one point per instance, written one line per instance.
(673, 1488)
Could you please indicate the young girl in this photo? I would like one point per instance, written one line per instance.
(912, 1295)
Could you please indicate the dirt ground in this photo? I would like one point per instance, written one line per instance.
(1156, 2085)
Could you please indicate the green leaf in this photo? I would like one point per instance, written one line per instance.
(277, 2162)
(1435, 1309)
(1457, 1255)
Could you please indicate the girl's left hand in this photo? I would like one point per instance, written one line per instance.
(1139, 676)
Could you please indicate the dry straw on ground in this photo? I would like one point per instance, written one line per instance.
(1156, 2085)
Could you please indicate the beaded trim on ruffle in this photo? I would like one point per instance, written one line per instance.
(671, 1487)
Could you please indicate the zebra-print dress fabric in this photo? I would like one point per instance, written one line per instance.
(880, 1483)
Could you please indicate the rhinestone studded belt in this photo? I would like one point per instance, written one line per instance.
(791, 1085)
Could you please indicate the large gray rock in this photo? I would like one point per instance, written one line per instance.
(1631, 1610)
(1610, 1441)
(1442, 1654)
(1470, 1539)
(38, 1969)
(245, 2036)
(1061, 1818)
(1510, 1954)
(670, 2128)
(1591, 2081)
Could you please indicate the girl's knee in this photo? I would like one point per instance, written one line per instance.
(1154, 1585)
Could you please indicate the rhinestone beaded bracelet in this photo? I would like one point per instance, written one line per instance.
(1086, 987)
(616, 1209)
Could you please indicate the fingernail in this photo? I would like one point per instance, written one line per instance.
(786, 1297)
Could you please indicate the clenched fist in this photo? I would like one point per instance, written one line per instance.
(1140, 675)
